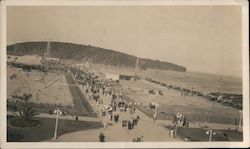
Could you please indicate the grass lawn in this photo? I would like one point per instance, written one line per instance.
(195, 108)
(46, 129)
(199, 134)
(49, 92)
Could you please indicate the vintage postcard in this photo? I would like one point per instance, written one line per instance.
(124, 74)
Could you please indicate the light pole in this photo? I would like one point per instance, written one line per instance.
(155, 113)
(176, 124)
(210, 132)
(240, 120)
(57, 116)
(176, 127)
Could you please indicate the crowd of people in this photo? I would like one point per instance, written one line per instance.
(186, 92)
(181, 120)
(98, 90)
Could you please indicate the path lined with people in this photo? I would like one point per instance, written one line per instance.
(115, 132)
(121, 120)
(80, 101)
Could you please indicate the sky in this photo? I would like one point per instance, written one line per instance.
(204, 39)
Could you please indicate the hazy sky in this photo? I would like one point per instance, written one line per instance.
(202, 38)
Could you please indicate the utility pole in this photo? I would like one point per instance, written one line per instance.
(210, 132)
(57, 116)
(176, 127)
(155, 114)
(210, 135)
(137, 64)
(240, 120)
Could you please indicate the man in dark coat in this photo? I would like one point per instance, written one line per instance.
(101, 137)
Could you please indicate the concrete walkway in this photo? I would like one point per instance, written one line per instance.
(114, 132)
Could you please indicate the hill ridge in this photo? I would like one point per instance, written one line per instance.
(63, 50)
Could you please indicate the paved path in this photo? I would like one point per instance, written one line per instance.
(81, 104)
(151, 131)
(116, 133)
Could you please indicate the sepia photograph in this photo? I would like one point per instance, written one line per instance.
(123, 73)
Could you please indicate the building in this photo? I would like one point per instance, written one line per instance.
(127, 76)
(110, 76)
(52, 60)
(26, 59)
(122, 76)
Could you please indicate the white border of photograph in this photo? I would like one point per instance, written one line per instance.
(245, 60)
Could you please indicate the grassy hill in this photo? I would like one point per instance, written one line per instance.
(96, 54)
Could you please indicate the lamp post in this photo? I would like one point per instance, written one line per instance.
(240, 120)
(155, 113)
(57, 116)
(176, 127)
(210, 132)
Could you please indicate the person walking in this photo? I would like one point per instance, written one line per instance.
(101, 137)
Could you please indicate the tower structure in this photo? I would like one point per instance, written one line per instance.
(137, 64)
(48, 49)
(44, 58)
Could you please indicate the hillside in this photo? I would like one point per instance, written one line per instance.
(97, 55)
